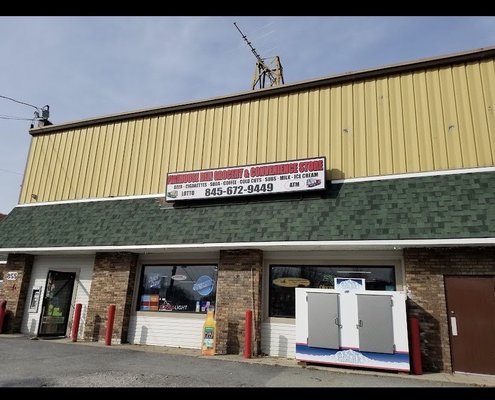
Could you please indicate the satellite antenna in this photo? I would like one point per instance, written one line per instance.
(270, 70)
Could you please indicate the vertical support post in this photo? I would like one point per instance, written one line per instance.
(75, 322)
(415, 346)
(110, 319)
(3, 311)
(248, 334)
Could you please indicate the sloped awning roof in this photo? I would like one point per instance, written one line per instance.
(417, 208)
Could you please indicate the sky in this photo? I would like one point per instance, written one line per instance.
(85, 67)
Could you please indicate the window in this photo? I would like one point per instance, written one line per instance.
(177, 288)
(285, 278)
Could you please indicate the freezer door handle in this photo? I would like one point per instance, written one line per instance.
(337, 322)
(360, 325)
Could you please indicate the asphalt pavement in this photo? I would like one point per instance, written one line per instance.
(25, 362)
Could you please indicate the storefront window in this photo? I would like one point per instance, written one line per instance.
(285, 278)
(177, 288)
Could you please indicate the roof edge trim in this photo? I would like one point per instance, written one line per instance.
(313, 245)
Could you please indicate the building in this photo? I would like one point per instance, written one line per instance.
(405, 154)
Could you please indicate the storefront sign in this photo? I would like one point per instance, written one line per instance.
(287, 176)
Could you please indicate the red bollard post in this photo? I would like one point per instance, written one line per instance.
(75, 322)
(248, 333)
(110, 318)
(3, 311)
(415, 347)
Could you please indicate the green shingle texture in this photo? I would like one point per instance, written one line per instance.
(427, 207)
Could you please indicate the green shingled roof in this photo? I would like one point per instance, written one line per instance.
(432, 207)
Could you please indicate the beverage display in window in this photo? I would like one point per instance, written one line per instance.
(177, 288)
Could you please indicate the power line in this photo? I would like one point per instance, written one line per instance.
(15, 118)
(12, 172)
(20, 102)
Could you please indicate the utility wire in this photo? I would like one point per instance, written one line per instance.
(12, 172)
(20, 102)
(15, 118)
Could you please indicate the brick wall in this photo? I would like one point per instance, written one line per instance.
(15, 292)
(425, 270)
(239, 289)
(113, 280)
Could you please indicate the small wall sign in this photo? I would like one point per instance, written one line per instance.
(11, 275)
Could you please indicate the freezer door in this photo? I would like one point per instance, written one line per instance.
(323, 320)
(375, 325)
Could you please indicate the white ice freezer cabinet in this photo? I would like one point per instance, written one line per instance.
(356, 328)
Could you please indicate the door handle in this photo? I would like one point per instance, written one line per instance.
(453, 325)
(360, 325)
(337, 322)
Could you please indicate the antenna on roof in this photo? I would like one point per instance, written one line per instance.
(272, 69)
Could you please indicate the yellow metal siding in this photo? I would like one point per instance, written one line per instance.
(384, 127)
(372, 156)
(324, 123)
(158, 162)
(480, 130)
(183, 131)
(397, 127)
(488, 80)
(225, 136)
(464, 117)
(262, 132)
(409, 122)
(359, 131)
(347, 166)
(282, 129)
(302, 126)
(243, 133)
(313, 124)
(252, 145)
(234, 134)
(434, 119)
(335, 157)
(271, 146)
(293, 102)
(108, 161)
(423, 122)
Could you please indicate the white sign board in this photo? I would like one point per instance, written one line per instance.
(281, 177)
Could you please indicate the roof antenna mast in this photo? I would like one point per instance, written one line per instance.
(271, 71)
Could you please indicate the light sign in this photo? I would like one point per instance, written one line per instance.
(287, 176)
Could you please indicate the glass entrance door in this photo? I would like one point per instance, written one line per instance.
(56, 303)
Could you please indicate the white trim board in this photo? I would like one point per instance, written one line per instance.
(335, 181)
(265, 246)
(416, 175)
(51, 203)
